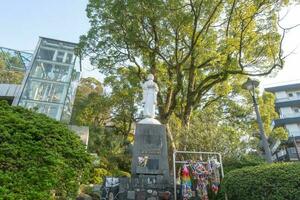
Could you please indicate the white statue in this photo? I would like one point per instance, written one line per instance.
(150, 90)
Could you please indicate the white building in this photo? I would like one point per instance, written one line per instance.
(288, 107)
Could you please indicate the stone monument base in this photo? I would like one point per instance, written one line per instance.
(148, 187)
(150, 169)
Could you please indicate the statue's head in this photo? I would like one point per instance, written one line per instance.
(150, 77)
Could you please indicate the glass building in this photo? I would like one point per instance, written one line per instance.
(14, 59)
(50, 85)
(13, 65)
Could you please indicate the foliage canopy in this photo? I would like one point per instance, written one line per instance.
(191, 47)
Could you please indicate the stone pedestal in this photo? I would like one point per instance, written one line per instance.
(150, 169)
(150, 145)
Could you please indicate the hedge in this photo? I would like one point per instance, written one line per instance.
(249, 160)
(279, 181)
(38, 156)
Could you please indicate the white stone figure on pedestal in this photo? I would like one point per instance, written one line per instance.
(150, 90)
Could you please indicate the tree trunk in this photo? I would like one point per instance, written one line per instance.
(169, 134)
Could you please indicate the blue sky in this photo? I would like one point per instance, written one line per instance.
(23, 21)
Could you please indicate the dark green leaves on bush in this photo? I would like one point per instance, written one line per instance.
(39, 157)
(279, 181)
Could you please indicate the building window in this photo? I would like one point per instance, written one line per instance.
(292, 150)
(70, 59)
(296, 109)
(290, 94)
(60, 56)
(46, 54)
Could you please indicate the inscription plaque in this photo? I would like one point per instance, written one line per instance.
(153, 164)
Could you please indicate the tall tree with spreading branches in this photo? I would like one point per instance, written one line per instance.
(192, 47)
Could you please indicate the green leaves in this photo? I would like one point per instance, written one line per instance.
(268, 114)
(38, 156)
(218, 127)
(269, 182)
(191, 47)
(8, 75)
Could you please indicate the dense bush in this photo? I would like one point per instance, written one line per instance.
(248, 160)
(38, 156)
(280, 181)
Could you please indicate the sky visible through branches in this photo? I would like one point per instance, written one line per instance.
(22, 22)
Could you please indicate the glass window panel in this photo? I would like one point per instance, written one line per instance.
(42, 70)
(61, 73)
(31, 105)
(56, 93)
(46, 54)
(49, 110)
(291, 150)
(60, 56)
(70, 58)
(32, 91)
(51, 72)
(43, 91)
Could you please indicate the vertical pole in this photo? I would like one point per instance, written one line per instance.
(222, 172)
(264, 139)
(174, 174)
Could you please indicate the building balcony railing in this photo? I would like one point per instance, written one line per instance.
(288, 103)
(294, 134)
(284, 121)
(290, 115)
(287, 99)
(293, 156)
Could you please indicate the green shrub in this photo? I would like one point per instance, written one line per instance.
(249, 160)
(99, 174)
(279, 181)
(38, 156)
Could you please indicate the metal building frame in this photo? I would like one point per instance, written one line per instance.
(24, 57)
(200, 153)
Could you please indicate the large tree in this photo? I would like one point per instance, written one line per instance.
(190, 46)
(92, 107)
